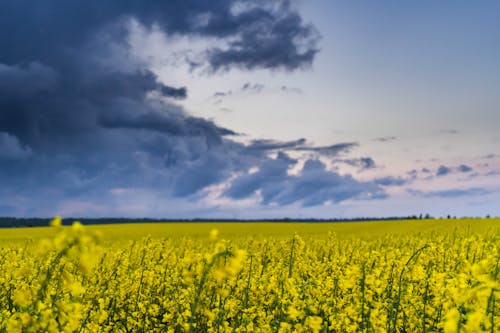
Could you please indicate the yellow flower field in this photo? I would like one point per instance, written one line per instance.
(401, 276)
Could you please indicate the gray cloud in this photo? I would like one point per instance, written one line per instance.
(385, 139)
(162, 118)
(332, 150)
(249, 87)
(451, 193)
(226, 110)
(301, 145)
(79, 122)
(17, 81)
(464, 168)
(11, 148)
(263, 144)
(492, 173)
(363, 163)
(413, 174)
(177, 93)
(270, 171)
(391, 181)
(443, 171)
(293, 90)
(222, 93)
(275, 37)
(266, 35)
(314, 186)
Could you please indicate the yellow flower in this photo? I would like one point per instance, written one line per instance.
(293, 313)
(451, 321)
(285, 327)
(14, 325)
(242, 284)
(56, 221)
(77, 227)
(21, 297)
(314, 323)
(236, 262)
(213, 234)
(76, 289)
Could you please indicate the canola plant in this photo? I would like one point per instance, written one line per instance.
(430, 281)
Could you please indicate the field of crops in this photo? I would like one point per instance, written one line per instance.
(404, 276)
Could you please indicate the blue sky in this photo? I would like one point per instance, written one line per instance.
(249, 109)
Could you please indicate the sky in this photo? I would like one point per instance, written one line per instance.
(249, 109)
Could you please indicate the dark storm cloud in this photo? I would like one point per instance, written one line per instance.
(26, 80)
(313, 186)
(164, 119)
(11, 148)
(101, 87)
(272, 170)
(275, 38)
(269, 35)
(177, 93)
(81, 120)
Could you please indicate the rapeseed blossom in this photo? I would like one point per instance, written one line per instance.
(75, 282)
